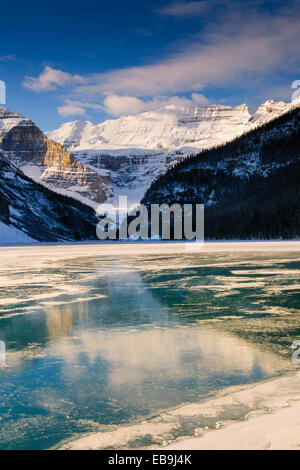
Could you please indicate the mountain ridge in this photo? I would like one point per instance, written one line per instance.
(137, 149)
(148, 128)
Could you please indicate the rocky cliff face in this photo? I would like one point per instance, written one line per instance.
(50, 163)
(138, 149)
(63, 170)
(130, 175)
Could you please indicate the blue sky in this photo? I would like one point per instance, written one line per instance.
(96, 60)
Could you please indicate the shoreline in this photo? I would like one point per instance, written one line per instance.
(275, 425)
(279, 430)
(151, 247)
(270, 420)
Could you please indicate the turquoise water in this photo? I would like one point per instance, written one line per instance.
(97, 342)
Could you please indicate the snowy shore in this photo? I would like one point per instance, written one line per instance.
(268, 418)
(277, 427)
(149, 246)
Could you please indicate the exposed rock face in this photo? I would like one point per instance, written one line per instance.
(50, 163)
(137, 149)
(132, 174)
(23, 139)
(60, 165)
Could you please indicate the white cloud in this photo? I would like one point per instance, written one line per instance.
(243, 51)
(119, 105)
(182, 9)
(71, 110)
(234, 55)
(51, 79)
(199, 99)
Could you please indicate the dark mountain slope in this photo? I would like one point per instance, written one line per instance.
(250, 186)
(39, 212)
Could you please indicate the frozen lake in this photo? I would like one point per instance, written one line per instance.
(107, 339)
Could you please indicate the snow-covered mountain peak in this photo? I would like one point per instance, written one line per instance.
(70, 133)
(10, 119)
(172, 127)
(271, 106)
(137, 148)
(270, 110)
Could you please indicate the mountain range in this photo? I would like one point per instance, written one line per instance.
(137, 149)
(51, 183)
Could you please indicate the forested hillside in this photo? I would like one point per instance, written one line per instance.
(249, 186)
